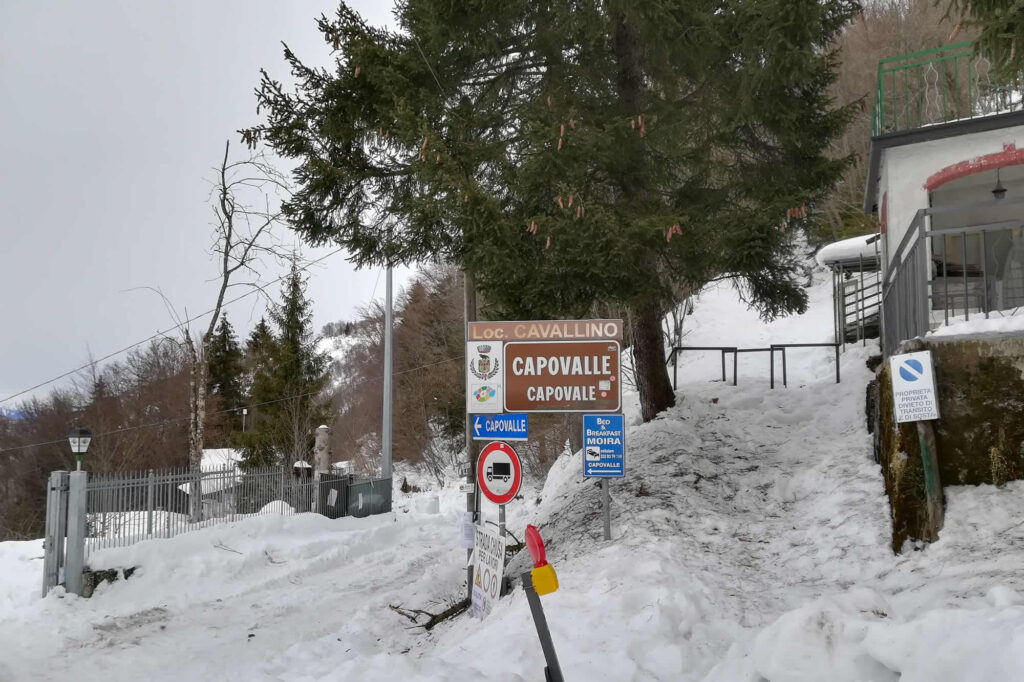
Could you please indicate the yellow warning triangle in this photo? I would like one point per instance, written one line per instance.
(478, 582)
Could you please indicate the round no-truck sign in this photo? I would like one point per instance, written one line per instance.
(499, 472)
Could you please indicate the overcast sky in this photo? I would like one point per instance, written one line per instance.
(112, 115)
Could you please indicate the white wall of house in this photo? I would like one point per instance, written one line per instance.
(905, 169)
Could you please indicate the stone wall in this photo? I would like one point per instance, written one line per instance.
(980, 436)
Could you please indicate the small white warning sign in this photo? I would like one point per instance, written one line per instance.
(488, 569)
(913, 387)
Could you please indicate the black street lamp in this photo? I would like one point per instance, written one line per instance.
(79, 438)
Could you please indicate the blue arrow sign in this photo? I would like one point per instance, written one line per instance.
(500, 427)
(604, 445)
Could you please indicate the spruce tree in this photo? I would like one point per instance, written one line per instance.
(289, 373)
(1000, 33)
(224, 374)
(570, 154)
(258, 342)
(224, 392)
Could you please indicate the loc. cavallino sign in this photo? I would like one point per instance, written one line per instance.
(546, 330)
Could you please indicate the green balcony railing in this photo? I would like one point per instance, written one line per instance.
(936, 86)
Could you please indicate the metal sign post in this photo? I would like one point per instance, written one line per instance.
(914, 400)
(539, 581)
(552, 671)
(604, 455)
(606, 503)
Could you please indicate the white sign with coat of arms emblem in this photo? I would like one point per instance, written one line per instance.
(484, 377)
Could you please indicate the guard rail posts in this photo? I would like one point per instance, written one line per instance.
(771, 350)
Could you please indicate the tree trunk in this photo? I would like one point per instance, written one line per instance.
(652, 381)
(196, 413)
(573, 425)
(656, 392)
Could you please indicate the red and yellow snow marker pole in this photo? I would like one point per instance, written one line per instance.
(541, 580)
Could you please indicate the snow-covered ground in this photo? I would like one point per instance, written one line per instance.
(750, 544)
(999, 322)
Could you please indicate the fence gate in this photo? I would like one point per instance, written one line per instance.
(54, 544)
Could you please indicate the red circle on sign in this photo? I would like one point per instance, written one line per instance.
(493, 450)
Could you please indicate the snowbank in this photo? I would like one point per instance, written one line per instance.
(21, 574)
(277, 507)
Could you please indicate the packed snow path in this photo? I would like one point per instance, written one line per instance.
(758, 502)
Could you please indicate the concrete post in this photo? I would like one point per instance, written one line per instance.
(75, 561)
(322, 465)
(322, 454)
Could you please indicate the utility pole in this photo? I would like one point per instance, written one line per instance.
(385, 469)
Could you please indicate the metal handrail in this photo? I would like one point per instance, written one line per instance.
(923, 53)
(910, 299)
(773, 348)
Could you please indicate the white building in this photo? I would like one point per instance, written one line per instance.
(220, 478)
(946, 182)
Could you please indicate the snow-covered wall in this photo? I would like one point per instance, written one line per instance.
(979, 436)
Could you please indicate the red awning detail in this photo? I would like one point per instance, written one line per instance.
(1010, 156)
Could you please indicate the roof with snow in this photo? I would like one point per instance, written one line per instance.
(856, 253)
(222, 466)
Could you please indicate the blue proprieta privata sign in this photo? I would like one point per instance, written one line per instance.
(604, 445)
(500, 427)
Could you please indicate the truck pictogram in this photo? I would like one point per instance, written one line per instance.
(502, 470)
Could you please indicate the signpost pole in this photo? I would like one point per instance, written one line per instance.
(606, 498)
(604, 456)
(932, 485)
(469, 313)
(385, 468)
(914, 400)
(501, 534)
(552, 672)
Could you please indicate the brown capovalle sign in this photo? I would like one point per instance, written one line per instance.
(562, 376)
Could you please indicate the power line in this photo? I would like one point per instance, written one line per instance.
(163, 333)
(175, 420)
(429, 67)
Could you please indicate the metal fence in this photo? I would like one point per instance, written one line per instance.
(857, 295)
(121, 509)
(369, 496)
(945, 84)
(941, 276)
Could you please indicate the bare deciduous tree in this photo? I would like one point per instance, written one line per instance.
(245, 214)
